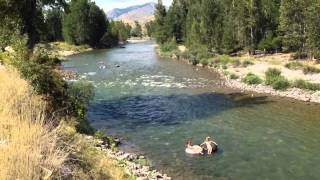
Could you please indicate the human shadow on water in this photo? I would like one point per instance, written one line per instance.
(141, 111)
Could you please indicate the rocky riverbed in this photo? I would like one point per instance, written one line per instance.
(134, 164)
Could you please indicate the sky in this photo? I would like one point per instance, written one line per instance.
(108, 5)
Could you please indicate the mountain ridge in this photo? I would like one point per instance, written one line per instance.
(141, 13)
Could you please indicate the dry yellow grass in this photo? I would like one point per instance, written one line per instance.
(28, 145)
(28, 149)
(89, 163)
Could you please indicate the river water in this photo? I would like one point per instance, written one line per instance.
(156, 104)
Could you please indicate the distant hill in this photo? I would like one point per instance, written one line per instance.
(141, 13)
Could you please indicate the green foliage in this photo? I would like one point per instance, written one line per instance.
(234, 76)
(204, 62)
(247, 63)
(270, 43)
(274, 78)
(281, 83)
(300, 54)
(294, 65)
(120, 30)
(137, 30)
(224, 59)
(53, 22)
(161, 31)
(150, 27)
(302, 84)
(86, 23)
(310, 70)
(272, 75)
(251, 78)
(168, 46)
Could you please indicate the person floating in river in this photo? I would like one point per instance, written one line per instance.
(193, 149)
(209, 145)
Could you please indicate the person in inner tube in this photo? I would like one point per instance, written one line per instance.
(210, 145)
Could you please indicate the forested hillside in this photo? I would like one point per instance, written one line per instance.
(229, 26)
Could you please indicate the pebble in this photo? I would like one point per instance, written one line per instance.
(129, 164)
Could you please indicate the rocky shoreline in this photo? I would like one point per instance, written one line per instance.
(130, 162)
(294, 93)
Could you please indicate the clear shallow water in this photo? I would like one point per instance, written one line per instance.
(157, 104)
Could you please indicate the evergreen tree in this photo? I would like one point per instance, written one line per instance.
(137, 30)
(54, 24)
(293, 25)
(84, 24)
(161, 33)
(313, 29)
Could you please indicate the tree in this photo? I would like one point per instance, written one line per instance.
(86, 23)
(150, 28)
(121, 30)
(313, 29)
(160, 23)
(176, 19)
(137, 30)
(97, 24)
(293, 25)
(54, 24)
(28, 16)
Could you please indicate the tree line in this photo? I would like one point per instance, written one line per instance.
(76, 22)
(230, 26)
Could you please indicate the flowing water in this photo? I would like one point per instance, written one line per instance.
(157, 104)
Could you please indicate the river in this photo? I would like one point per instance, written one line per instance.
(156, 104)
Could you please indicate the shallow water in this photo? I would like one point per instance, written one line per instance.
(157, 104)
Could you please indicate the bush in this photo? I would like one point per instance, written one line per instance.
(300, 55)
(234, 76)
(272, 75)
(193, 59)
(294, 65)
(224, 66)
(310, 70)
(168, 46)
(247, 63)
(302, 84)
(204, 62)
(281, 83)
(224, 59)
(252, 79)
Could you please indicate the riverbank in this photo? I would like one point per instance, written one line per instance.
(235, 69)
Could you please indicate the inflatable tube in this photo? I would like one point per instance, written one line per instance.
(194, 150)
(213, 145)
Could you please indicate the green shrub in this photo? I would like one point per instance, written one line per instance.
(234, 76)
(310, 70)
(294, 65)
(168, 46)
(224, 59)
(204, 62)
(281, 83)
(272, 75)
(300, 55)
(252, 79)
(247, 63)
(302, 84)
(224, 66)
(193, 59)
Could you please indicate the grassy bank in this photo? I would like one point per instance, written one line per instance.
(32, 148)
(280, 72)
